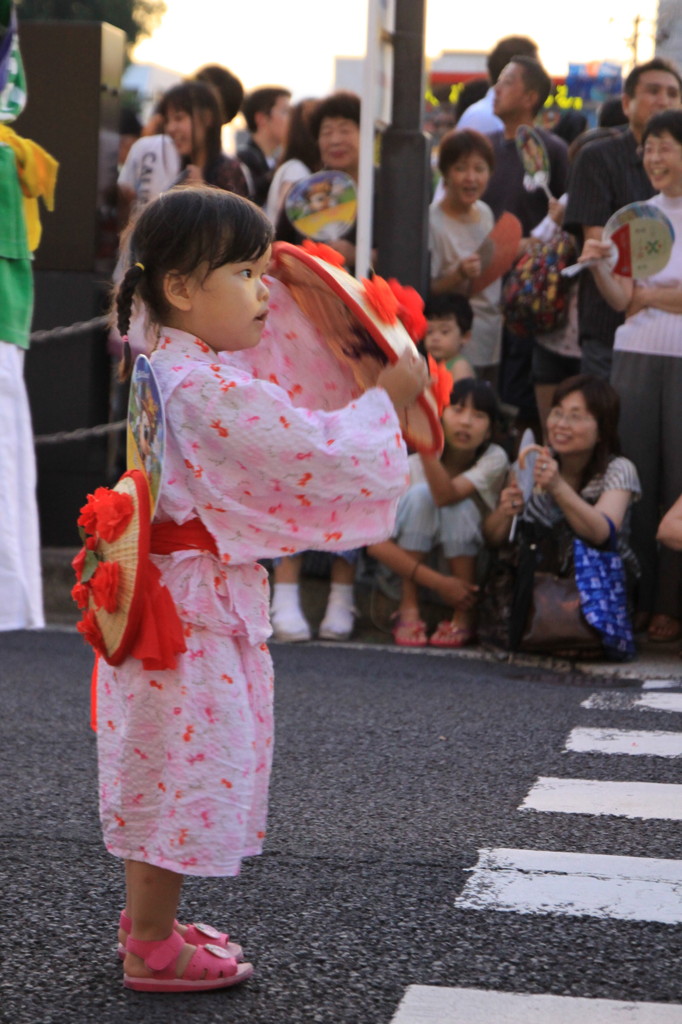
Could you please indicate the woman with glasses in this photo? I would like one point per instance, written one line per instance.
(580, 479)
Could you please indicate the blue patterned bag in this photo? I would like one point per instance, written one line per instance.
(600, 578)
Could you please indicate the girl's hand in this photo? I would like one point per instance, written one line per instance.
(470, 268)
(405, 380)
(458, 593)
(511, 499)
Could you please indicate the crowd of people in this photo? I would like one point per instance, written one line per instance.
(615, 346)
(615, 332)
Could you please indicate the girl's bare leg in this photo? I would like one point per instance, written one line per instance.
(152, 903)
(408, 609)
(464, 567)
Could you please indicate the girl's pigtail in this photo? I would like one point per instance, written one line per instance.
(124, 308)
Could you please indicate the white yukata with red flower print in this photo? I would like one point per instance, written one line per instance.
(185, 755)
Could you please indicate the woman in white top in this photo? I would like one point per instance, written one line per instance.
(647, 373)
(300, 158)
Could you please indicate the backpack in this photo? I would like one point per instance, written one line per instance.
(535, 295)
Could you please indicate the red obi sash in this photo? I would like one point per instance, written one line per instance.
(169, 537)
(160, 634)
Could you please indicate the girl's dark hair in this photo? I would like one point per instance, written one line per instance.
(197, 98)
(458, 144)
(667, 121)
(603, 403)
(184, 229)
(483, 399)
(300, 143)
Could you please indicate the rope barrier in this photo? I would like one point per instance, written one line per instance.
(82, 327)
(81, 434)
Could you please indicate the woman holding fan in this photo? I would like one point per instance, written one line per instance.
(647, 373)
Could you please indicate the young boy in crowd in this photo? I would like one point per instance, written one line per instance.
(449, 317)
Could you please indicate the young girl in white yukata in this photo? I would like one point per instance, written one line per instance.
(185, 754)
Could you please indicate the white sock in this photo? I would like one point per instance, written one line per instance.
(285, 595)
(341, 594)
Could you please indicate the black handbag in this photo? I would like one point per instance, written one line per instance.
(546, 615)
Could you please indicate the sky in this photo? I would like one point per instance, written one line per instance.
(294, 42)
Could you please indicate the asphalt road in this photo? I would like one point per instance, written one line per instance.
(391, 771)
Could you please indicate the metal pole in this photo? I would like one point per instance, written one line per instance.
(405, 178)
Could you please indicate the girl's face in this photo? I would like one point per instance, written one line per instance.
(228, 309)
(467, 180)
(571, 427)
(187, 132)
(465, 428)
(663, 163)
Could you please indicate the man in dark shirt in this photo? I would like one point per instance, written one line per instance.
(266, 112)
(520, 92)
(607, 175)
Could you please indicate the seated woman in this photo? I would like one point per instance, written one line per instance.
(580, 478)
(448, 508)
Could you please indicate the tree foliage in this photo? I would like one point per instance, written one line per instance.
(137, 18)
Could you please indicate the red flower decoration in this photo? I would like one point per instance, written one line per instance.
(80, 594)
(106, 513)
(77, 563)
(324, 252)
(410, 308)
(88, 517)
(90, 631)
(381, 298)
(105, 584)
(441, 383)
(114, 512)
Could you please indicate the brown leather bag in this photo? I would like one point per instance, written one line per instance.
(555, 623)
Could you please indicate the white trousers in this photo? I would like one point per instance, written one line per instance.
(21, 592)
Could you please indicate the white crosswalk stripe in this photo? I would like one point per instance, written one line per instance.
(426, 1005)
(593, 796)
(625, 741)
(575, 884)
(614, 701)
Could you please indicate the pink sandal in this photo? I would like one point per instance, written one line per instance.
(449, 635)
(409, 632)
(209, 967)
(196, 935)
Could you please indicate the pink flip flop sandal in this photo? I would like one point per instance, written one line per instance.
(210, 967)
(196, 935)
(409, 632)
(449, 635)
